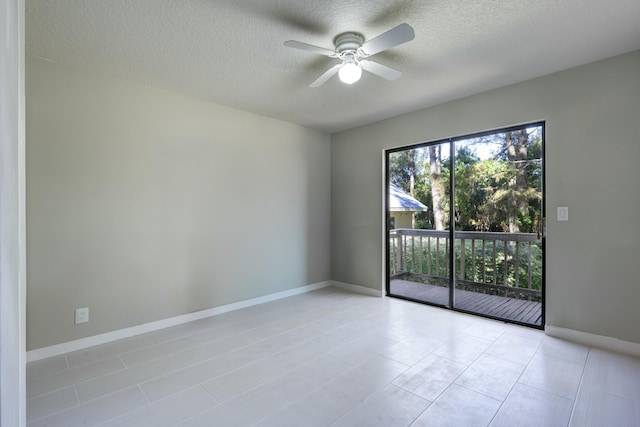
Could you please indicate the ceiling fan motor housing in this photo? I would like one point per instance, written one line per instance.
(348, 42)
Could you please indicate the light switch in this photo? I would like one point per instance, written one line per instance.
(563, 213)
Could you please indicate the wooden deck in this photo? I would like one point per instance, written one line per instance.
(522, 311)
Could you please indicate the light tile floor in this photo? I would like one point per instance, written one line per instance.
(334, 358)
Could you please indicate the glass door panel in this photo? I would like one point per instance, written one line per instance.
(418, 221)
(497, 233)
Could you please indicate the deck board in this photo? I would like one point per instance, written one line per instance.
(517, 310)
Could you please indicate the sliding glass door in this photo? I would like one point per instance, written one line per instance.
(464, 223)
(419, 178)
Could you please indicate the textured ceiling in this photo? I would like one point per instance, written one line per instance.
(231, 51)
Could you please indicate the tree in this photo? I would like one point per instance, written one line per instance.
(516, 144)
(437, 185)
(498, 179)
(412, 174)
(402, 169)
(499, 190)
(470, 193)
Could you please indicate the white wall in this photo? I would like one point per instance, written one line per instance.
(592, 155)
(12, 237)
(143, 205)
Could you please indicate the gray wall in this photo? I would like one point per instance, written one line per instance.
(592, 154)
(143, 204)
(12, 216)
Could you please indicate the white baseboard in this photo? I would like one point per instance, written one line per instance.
(357, 289)
(600, 341)
(82, 343)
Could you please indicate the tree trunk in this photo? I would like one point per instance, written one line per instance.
(412, 181)
(412, 172)
(517, 143)
(437, 186)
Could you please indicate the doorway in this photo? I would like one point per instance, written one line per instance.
(465, 223)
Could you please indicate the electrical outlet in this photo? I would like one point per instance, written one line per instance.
(82, 315)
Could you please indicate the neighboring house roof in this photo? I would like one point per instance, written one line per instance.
(400, 201)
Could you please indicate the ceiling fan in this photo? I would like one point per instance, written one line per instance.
(353, 51)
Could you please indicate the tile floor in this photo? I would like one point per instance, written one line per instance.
(334, 358)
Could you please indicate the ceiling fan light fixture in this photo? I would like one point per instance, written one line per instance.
(353, 51)
(350, 72)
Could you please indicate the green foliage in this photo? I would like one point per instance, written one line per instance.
(512, 269)
(400, 168)
(489, 189)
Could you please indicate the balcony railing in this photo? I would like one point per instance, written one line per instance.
(504, 264)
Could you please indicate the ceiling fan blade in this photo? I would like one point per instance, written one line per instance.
(380, 70)
(394, 37)
(325, 76)
(308, 47)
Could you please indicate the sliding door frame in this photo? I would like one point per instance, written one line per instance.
(452, 270)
